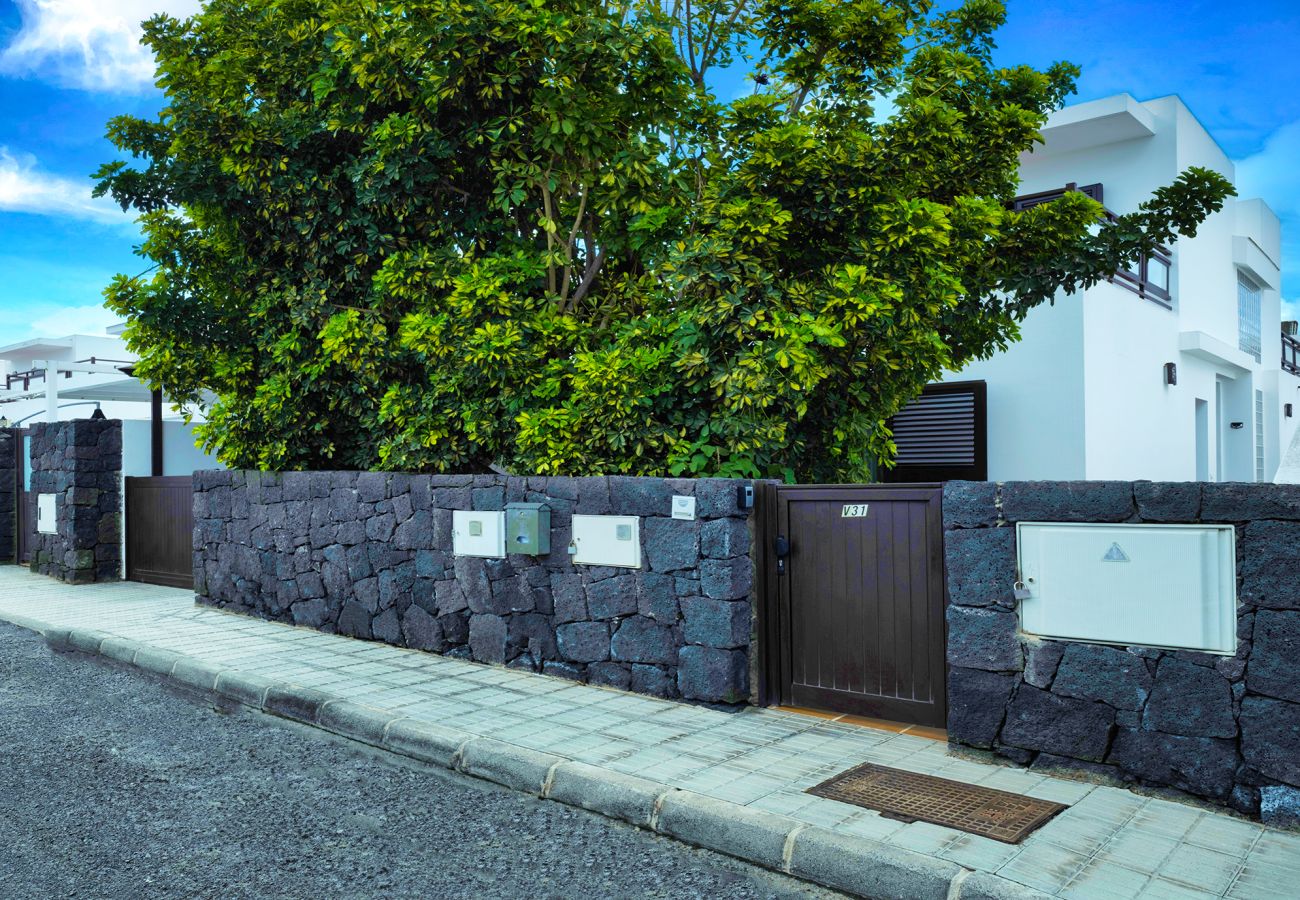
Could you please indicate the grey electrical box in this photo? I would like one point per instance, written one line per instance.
(528, 528)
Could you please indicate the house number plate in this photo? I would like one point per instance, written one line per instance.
(854, 511)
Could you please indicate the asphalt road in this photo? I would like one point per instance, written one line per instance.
(113, 784)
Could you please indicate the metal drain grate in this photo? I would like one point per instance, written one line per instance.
(910, 797)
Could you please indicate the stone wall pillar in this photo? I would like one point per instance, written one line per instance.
(9, 474)
(80, 463)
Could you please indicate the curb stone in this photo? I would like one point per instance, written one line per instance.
(366, 724)
(868, 868)
(613, 794)
(858, 866)
(426, 742)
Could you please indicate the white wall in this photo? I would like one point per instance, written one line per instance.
(1035, 397)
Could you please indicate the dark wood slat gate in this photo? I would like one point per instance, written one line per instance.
(861, 601)
(160, 530)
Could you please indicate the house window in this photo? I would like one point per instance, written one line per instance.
(1149, 276)
(1259, 435)
(941, 435)
(1248, 317)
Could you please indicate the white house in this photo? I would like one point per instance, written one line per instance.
(51, 379)
(1177, 371)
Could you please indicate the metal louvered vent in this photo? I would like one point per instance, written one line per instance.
(941, 435)
(936, 430)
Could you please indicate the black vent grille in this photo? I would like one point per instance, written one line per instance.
(941, 435)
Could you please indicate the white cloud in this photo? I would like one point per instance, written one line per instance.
(25, 188)
(1274, 172)
(67, 320)
(90, 44)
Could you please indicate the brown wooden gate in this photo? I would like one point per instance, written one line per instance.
(857, 576)
(160, 530)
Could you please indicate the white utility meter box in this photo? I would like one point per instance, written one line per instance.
(478, 533)
(607, 541)
(1146, 585)
(47, 521)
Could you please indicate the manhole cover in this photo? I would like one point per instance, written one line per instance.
(910, 797)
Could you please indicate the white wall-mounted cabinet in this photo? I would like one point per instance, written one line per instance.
(1144, 585)
(607, 541)
(46, 514)
(478, 533)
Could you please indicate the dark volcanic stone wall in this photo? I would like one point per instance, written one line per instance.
(9, 438)
(369, 554)
(1226, 729)
(80, 462)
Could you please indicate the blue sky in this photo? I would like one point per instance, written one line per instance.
(67, 66)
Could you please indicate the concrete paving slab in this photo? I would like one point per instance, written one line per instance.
(575, 741)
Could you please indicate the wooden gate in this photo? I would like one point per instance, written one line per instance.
(855, 583)
(160, 530)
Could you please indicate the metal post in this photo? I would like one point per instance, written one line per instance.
(156, 432)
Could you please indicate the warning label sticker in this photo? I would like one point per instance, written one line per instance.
(1115, 554)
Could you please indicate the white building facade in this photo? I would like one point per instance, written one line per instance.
(1178, 371)
(56, 379)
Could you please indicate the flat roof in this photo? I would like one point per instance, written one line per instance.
(1097, 122)
(35, 348)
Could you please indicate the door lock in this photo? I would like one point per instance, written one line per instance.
(781, 547)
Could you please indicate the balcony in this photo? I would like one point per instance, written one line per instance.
(1290, 353)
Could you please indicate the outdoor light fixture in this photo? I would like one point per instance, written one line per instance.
(1286, 408)
(1171, 373)
(1237, 426)
(98, 414)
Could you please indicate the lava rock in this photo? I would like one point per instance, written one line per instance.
(1168, 501)
(1041, 661)
(1190, 700)
(640, 640)
(1092, 672)
(710, 674)
(422, 631)
(487, 638)
(583, 642)
(981, 566)
(977, 703)
(1067, 501)
(1270, 734)
(612, 597)
(1040, 720)
(983, 638)
(671, 544)
(715, 623)
(1275, 657)
(1270, 557)
(969, 504)
(1198, 765)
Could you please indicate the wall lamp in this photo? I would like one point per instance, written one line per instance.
(1288, 410)
(1171, 373)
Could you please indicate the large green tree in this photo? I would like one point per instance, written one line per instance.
(455, 234)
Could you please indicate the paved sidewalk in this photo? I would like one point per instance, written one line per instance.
(1110, 844)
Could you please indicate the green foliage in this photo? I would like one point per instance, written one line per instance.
(444, 235)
